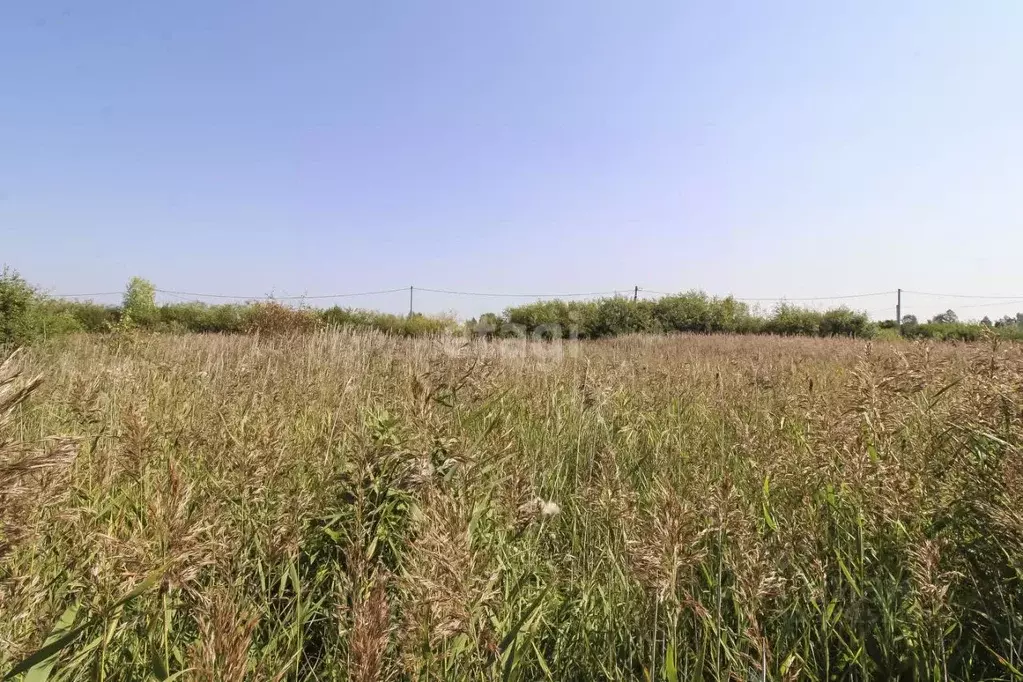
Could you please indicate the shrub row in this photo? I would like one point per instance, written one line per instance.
(960, 331)
(26, 314)
(693, 312)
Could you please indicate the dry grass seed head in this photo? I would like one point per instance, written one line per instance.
(371, 631)
(221, 652)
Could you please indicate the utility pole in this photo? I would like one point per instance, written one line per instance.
(898, 310)
(635, 294)
(410, 301)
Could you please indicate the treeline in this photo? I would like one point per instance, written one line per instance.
(26, 315)
(696, 312)
(693, 312)
(947, 326)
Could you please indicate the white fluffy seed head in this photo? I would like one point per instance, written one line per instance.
(550, 508)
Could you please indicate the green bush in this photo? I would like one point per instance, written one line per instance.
(198, 317)
(790, 320)
(945, 331)
(617, 316)
(399, 325)
(355, 318)
(273, 318)
(51, 318)
(732, 316)
(550, 319)
(424, 325)
(139, 304)
(26, 315)
(487, 326)
(93, 317)
(1012, 332)
(17, 302)
(845, 322)
(689, 312)
(696, 312)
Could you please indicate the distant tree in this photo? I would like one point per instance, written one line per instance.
(1010, 320)
(487, 326)
(845, 322)
(986, 321)
(909, 320)
(947, 317)
(17, 301)
(139, 302)
(26, 315)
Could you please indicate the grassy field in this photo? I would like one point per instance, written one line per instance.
(360, 507)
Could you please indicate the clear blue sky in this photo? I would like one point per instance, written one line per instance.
(757, 148)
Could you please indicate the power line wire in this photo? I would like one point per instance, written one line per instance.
(98, 293)
(928, 293)
(517, 296)
(988, 305)
(282, 298)
(180, 298)
(353, 294)
(822, 298)
(785, 298)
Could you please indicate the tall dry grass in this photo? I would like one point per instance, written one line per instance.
(356, 506)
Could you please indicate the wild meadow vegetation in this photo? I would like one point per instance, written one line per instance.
(356, 505)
